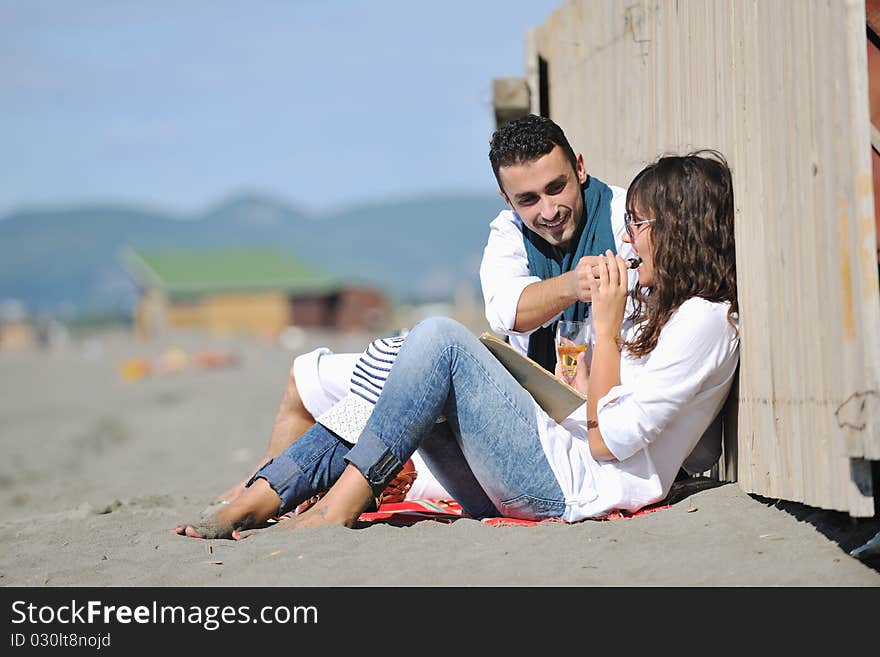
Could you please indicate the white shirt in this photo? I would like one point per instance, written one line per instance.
(504, 270)
(652, 420)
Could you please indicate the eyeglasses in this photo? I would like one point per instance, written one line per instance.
(630, 224)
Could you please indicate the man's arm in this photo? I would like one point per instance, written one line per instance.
(542, 301)
(504, 273)
(515, 301)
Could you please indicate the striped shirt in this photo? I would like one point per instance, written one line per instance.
(372, 368)
(348, 417)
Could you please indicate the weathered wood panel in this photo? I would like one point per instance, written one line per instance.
(781, 89)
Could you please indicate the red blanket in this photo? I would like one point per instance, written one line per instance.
(447, 511)
(411, 511)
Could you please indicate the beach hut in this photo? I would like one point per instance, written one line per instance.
(244, 290)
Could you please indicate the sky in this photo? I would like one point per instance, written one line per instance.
(322, 104)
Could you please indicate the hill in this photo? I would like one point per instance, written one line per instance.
(67, 260)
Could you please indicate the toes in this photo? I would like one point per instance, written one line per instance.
(238, 535)
(190, 531)
(187, 530)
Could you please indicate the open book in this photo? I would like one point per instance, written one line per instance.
(554, 395)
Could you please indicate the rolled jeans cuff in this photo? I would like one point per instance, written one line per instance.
(286, 479)
(375, 461)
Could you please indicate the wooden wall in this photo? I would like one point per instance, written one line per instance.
(263, 313)
(779, 87)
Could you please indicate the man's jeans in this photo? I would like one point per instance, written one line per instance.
(487, 453)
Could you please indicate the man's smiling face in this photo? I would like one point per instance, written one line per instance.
(546, 194)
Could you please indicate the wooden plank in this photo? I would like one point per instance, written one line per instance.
(769, 85)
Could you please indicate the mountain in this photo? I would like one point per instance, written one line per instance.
(68, 260)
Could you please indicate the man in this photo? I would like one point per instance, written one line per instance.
(535, 268)
(538, 261)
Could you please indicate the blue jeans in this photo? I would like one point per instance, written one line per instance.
(487, 453)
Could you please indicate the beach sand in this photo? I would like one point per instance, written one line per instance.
(97, 469)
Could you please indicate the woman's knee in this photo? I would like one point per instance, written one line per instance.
(440, 331)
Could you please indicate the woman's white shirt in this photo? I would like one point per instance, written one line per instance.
(652, 421)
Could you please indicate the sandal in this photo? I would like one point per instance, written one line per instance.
(394, 492)
(398, 488)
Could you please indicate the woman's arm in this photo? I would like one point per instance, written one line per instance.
(604, 375)
(695, 352)
(609, 292)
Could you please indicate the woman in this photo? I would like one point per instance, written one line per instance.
(651, 394)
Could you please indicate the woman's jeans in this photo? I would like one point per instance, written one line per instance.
(487, 453)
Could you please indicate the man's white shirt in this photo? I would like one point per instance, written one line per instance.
(504, 270)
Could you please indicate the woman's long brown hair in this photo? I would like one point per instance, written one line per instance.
(690, 199)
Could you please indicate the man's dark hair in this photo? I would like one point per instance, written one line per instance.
(526, 139)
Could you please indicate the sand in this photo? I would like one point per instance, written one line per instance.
(96, 470)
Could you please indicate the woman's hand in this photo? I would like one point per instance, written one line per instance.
(581, 380)
(608, 291)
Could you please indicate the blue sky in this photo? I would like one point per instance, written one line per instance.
(323, 104)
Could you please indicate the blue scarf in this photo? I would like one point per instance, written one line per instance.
(593, 237)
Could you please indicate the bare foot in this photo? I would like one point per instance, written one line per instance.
(325, 514)
(317, 515)
(205, 530)
(218, 524)
(341, 505)
(251, 509)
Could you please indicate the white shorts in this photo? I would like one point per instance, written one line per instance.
(324, 378)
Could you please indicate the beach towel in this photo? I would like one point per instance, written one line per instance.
(410, 512)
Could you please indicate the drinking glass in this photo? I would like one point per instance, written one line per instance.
(572, 338)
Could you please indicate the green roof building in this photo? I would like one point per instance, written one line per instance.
(255, 290)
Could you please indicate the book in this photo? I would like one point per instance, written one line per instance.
(555, 396)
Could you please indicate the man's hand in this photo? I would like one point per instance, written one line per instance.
(582, 275)
(543, 300)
